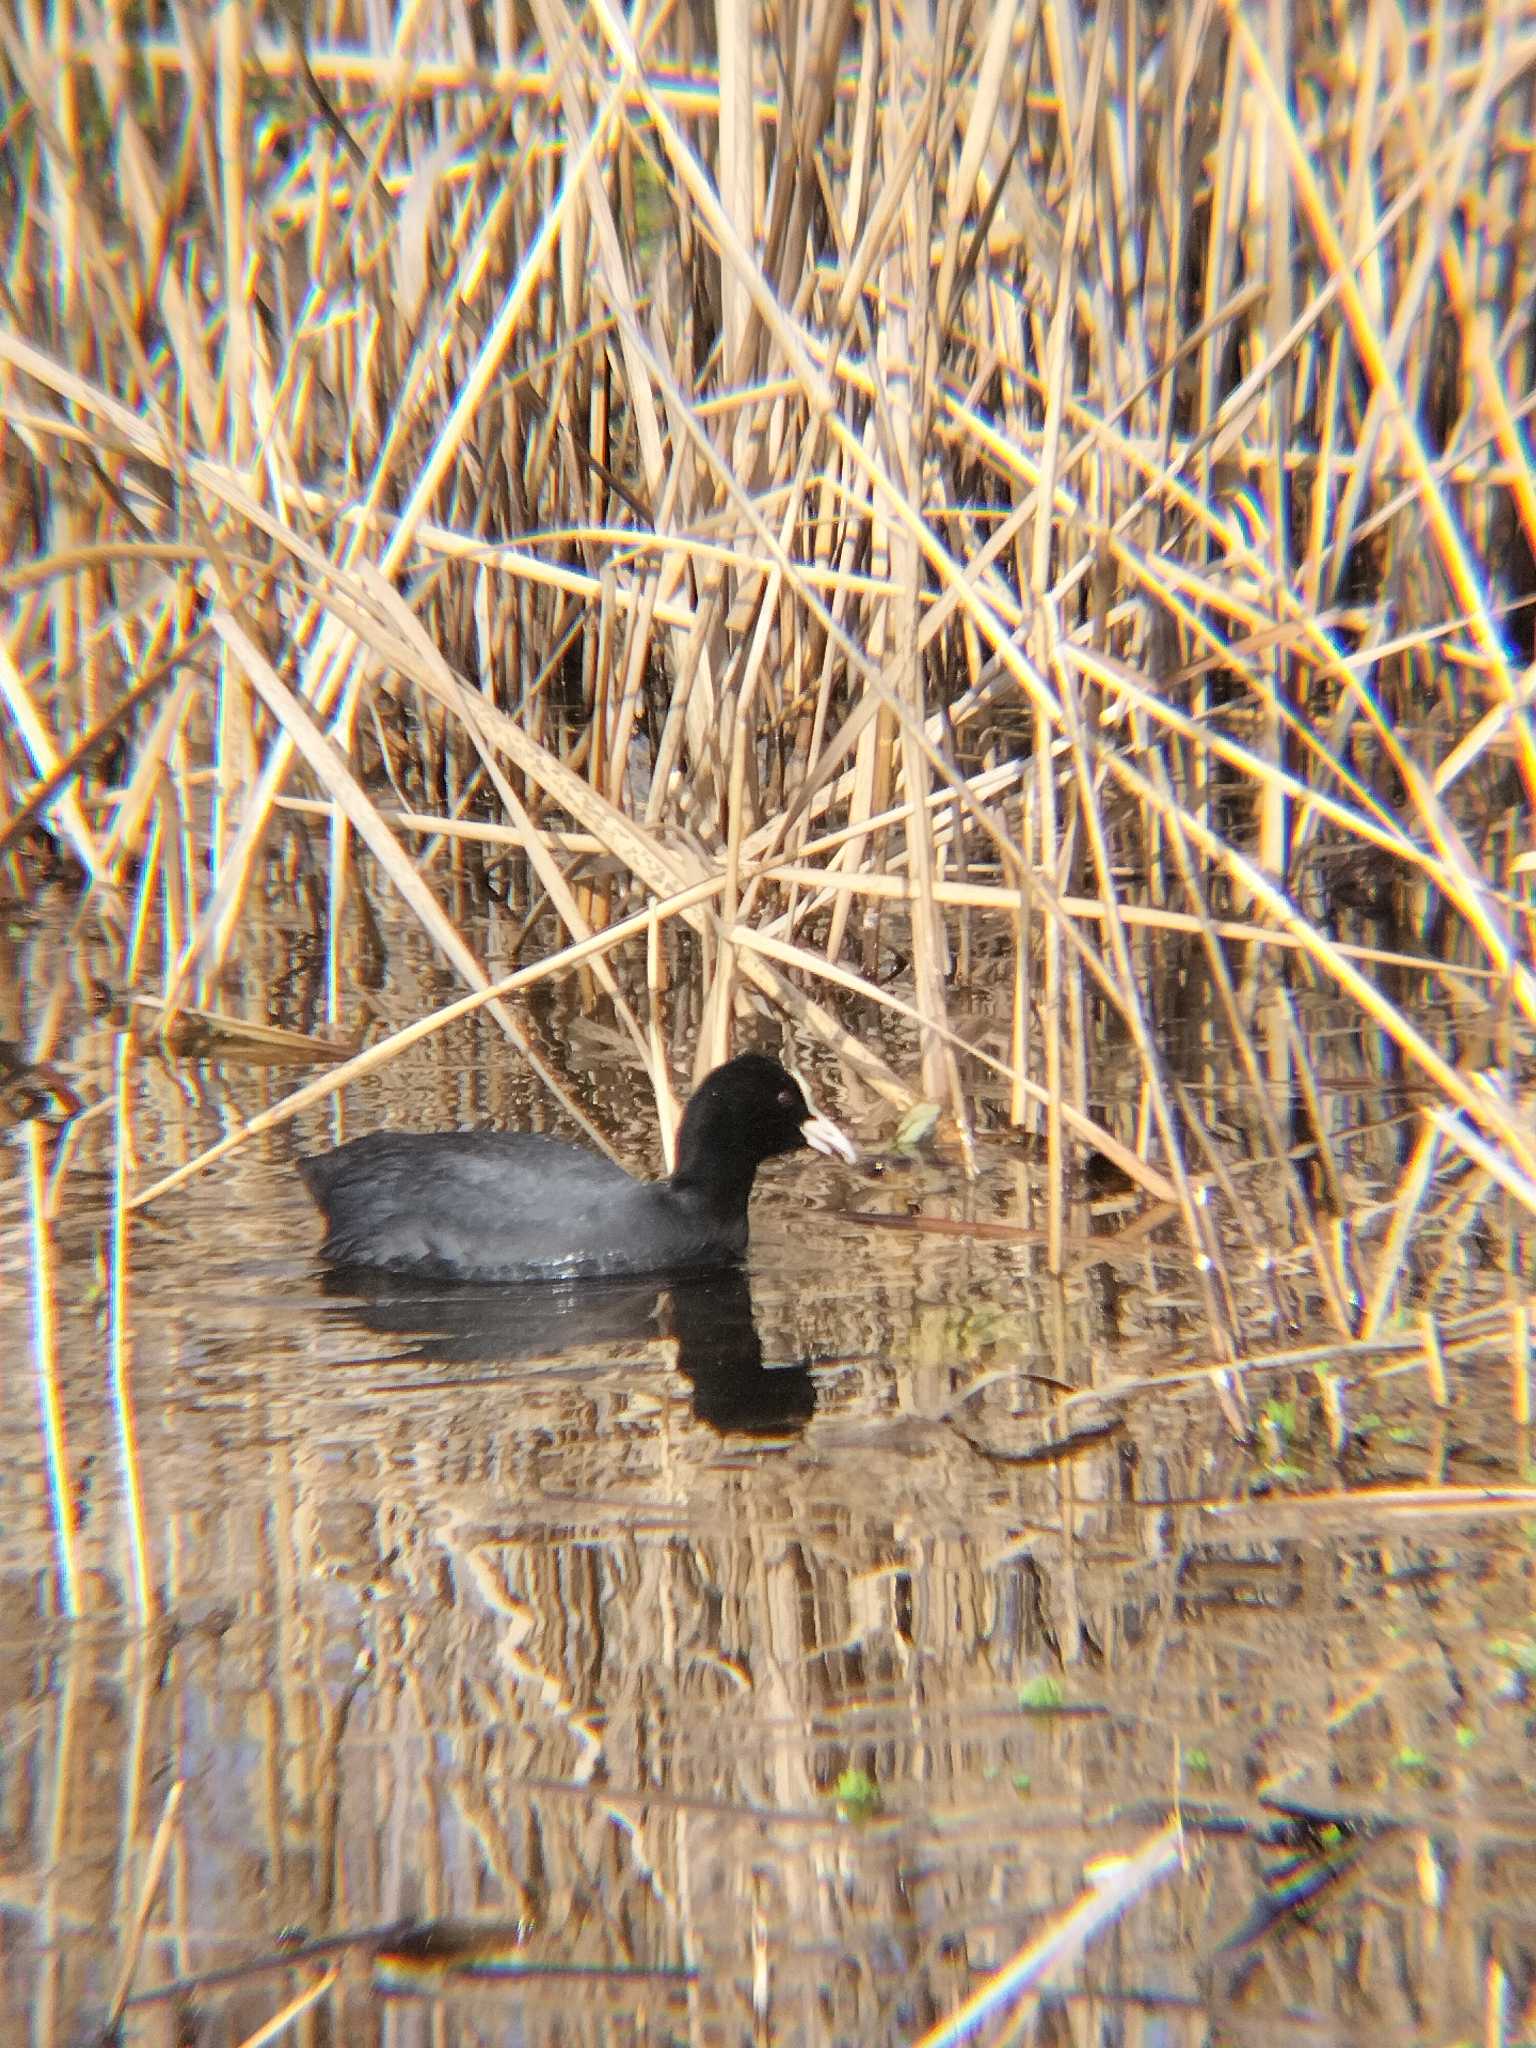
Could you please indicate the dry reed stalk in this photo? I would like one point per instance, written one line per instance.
(1434, 1361)
(50, 1401)
(1520, 1362)
(33, 729)
(118, 1338)
(136, 1926)
(301, 2002)
(1113, 1889)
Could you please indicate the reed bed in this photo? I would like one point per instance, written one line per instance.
(1023, 501)
(992, 548)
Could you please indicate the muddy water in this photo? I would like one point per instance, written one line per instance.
(741, 1667)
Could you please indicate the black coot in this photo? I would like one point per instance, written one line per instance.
(508, 1206)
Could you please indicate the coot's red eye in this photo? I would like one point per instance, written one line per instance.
(786, 1098)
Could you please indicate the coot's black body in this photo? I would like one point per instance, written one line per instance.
(505, 1206)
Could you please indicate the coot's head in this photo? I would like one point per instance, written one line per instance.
(745, 1112)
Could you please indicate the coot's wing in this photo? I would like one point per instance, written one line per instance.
(491, 1205)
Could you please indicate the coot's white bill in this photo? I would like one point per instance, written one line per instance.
(822, 1135)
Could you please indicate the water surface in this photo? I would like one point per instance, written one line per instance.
(744, 1666)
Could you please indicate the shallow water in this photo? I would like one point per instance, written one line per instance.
(740, 1667)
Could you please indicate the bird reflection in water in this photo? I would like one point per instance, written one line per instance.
(708, 1315)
